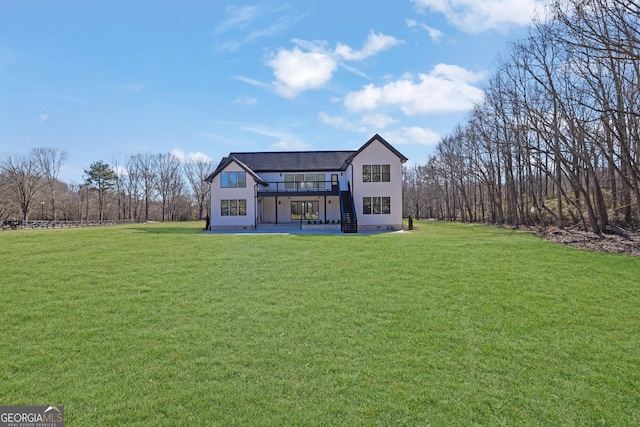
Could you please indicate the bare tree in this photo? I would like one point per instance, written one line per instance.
(133, 188)
(5, 208)
(196, 171)
(148, 176)
(169, 184)
(50, 161)
(23, 178)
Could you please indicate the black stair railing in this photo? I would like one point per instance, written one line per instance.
(349, 222)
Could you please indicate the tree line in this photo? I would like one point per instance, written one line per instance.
(556, 139)
(142, 187)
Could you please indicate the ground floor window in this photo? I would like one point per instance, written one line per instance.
(376, 205)
(305, 210)
(233, 207)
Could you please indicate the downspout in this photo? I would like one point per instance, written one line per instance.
(351, 180)
(255, 205)
(353, 198)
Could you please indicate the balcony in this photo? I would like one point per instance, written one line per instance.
(298, 188)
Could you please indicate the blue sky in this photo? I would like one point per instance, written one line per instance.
(101, 79)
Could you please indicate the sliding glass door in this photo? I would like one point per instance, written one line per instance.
(305, 210)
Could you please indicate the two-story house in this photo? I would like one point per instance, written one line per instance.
(359, 190)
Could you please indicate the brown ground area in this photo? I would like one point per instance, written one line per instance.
(629, 244)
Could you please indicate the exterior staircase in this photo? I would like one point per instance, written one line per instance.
(349, 221)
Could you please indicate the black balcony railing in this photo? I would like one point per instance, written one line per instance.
(299, 187)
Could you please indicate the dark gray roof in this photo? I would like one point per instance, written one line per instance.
(285, 161)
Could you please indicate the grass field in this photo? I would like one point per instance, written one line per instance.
(446, 325)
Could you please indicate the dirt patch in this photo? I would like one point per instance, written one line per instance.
(629, 244)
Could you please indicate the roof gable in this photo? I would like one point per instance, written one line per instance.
(226, 161)
(380, 139)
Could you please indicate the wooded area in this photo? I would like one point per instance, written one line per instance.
(141, 187)
(555, 141)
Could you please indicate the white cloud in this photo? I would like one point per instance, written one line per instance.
(189, 157)
(244, 24)
(378, 121)
(297, 71)
(354, 70)
(245, 100)
(267, 131)
(252, 82)
(454, 72)
(375, 43)
(474, 16)
(340, 123)
(235, 44)
(434, 33)
(285, 141)
(43, 118)
(412, 135)
(238, 17)
(366, 123)
(447, 88)
(291, 145)
(310, 64)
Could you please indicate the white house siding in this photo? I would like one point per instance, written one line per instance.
(333, 208)
(267, 210)
(377, 154)
(217, 194)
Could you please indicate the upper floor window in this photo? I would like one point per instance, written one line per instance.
(376, 173)
(233, 179)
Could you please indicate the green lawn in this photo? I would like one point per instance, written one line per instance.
(446, 325)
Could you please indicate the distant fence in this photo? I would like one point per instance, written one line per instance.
(15, 225)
